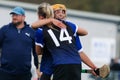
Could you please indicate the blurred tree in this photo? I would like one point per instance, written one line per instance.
(101, 6)
(110, 7)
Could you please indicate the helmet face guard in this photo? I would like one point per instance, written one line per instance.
(59, 7)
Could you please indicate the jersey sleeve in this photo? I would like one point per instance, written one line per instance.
(73, 26)
(78, 44)
(39, 37)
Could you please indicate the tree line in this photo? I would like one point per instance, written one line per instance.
(100, 6)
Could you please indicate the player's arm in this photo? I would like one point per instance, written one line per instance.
(76, 29)
(83, 56)
(42, 22)
(39, 41)
(36, 59)
(81, 31)
(85, 59)
(102, 72)
(39, 50)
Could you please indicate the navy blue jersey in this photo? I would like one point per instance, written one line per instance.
(17, 49)
(77, 39)
(60, 43)
(46, 65)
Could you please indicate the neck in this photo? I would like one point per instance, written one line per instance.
(20, 26)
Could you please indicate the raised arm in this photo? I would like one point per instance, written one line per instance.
(42, 22)
(81, 31)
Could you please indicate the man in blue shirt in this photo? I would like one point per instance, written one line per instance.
(18, 48)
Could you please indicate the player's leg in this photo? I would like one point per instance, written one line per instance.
(67, 72)
(45, 77)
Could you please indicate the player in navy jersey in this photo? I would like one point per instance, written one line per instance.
(60, 13)
(47, 71)
(17, 48)
(63, 50)
(57, 45)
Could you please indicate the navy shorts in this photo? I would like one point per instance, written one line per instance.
(67, 72)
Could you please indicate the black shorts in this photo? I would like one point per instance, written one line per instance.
(67, 72)
(45, 77)
(7, 76)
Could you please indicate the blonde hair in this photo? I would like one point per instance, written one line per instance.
(45, 10)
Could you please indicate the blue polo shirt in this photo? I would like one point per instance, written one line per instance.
(17, 49)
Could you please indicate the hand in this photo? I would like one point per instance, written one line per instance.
(58, 23)
(93, 72)
(39, 73)
(35, 79)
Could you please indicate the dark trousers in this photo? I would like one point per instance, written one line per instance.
(7, 76)
(45, 77)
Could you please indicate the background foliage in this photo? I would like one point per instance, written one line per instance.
(99, 6)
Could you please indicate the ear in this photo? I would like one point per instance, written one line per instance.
(24, 17)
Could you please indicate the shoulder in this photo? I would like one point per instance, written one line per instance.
(39, 31)
(42, 28)
(39, 34)
(28, 27)
(5, 27)
(70, 23)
